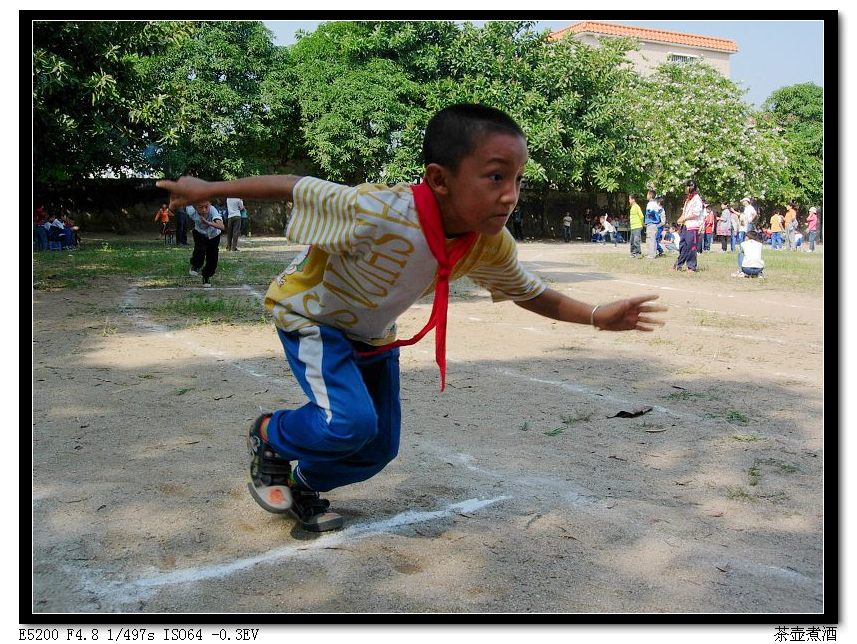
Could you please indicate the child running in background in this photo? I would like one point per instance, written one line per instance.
(374, 250)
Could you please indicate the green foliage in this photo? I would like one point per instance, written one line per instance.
(215, 118)
(798, 111)
(697, 127)
(87, 92)
(219, 100)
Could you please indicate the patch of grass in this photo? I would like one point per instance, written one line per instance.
(738, 493)
(145, 376)
(754, 474)
(183, 391)
(525, 427)
(711, 319)
(684, 395)
(680, 395)
(109, 329)
(805, 271)
(207, 309)
(736, 417)
(153, 263)
(783, 467)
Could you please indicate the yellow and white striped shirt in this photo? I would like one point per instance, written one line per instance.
(368, 261)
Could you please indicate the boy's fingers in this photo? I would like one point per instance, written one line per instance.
(648, 320)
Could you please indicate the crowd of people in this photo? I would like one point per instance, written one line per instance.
(695, 231)
(52, 232)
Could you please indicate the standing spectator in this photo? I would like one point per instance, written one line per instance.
(750, 262)
(245, 223)
(736, 227)
(790, 224)
(724, 225)
(40, 234)
(181, 226)
(690, 221)
(663, 223)
(566, 227)
(518, 223)
(162, 218)
(748, 219)
(234, 206)
(708, 228)
(811, 228)
(208, 224)
(635, 220)
(777, 225)
(653, 219)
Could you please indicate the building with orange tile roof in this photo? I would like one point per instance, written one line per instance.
(657, 46)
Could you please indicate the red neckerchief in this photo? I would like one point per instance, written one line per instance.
(432, 225)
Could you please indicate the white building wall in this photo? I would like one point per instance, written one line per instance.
(652, 54)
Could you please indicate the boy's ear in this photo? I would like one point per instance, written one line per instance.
(436, 178)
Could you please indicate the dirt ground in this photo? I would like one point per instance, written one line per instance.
(514, 490)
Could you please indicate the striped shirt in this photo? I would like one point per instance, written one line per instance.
(367, 261)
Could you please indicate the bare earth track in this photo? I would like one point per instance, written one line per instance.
(513, 490)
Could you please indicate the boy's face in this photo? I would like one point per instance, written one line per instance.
(202, 208)
(482, 193)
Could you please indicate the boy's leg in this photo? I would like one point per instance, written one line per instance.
(350, 428)
(212, 253)
(197, 257)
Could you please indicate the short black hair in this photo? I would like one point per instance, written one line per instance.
(690, 183)
(455, 131)
(751, 234)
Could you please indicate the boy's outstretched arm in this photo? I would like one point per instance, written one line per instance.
(190, 190)
(622, 315)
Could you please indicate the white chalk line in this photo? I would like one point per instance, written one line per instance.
(145, 586)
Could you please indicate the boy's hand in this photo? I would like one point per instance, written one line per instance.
(628, 315)
(187, 190)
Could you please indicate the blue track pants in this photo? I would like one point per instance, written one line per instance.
(349, 429)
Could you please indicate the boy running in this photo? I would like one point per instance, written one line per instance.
(373, 251)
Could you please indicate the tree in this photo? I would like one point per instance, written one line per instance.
(697, 127)
(217, 116)
(361, 108)
(798, 111)
(86, 89)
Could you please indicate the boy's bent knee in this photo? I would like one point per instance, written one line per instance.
(356, 428)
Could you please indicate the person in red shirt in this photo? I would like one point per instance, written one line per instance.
(708, 225)
(40, 234)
